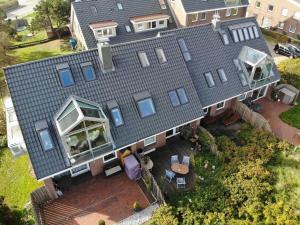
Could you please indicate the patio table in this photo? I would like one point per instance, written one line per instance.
(180, 168)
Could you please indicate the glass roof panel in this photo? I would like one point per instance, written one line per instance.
(67, 110)
(68, 120)
(251, 56)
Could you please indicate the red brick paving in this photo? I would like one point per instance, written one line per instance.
(98, 198)
(271, 111)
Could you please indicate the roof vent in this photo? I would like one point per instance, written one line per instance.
(105, 55)
(216, 22)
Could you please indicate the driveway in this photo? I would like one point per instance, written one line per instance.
(25, 8)
(277, 58)
(98, 198)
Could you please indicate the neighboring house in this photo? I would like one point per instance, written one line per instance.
(195, 12)
(284, 15)
(118, 21)
(78, 112)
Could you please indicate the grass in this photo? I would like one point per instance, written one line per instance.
(36, 52)
(287, 170)
(292, 116)
(16, 181)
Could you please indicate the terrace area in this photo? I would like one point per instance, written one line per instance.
(96, 198)
(162, 161)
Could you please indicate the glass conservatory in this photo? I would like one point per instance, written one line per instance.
(257, 65)
(84, 130)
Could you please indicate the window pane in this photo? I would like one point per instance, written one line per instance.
(160, 55)
(117, 117)
(220, 105)
(143, 59)
(174, 98)
(78, 143)
(184, 50)
(235, 36)
(96, 136)
(88, 72)
(46, 140)
(146, 107)
(68, 120)
(182, 96)
(120, 6)
(66, 77)
(222, 75)
(110, 157)
(149, 141)
(255, 31)
(246, 34)
(209, 79)
(241, 36)
(251, 32)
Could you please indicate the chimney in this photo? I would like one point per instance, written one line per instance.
(216, 22)
(105, 55)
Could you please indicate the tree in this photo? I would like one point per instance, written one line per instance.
(50, 13)
(164, 215)
(9, 216)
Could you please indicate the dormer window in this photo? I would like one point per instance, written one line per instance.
(84, 129)
(115, 112)
(104, 29)
(149, 22)
(65, 75)
(144, 104)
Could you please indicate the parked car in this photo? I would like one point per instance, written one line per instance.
(288, 50)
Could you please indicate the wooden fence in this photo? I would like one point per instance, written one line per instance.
(155, 189)
(255, 119)
(39, 198)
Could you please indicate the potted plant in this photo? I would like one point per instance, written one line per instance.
(101, 222)
(136, 206)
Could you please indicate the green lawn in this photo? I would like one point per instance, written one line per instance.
(16, 180)
(292, 116)
(49, 49)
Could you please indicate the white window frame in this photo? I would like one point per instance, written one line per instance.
(102, 32)
(284, 12)
(146, 143)
(256, 4)
(242, 95)
(264, 94)
(140, 26)
(228, 12)
(105, 161)
(202, 19)
(237, 12)
(197, 17)
(294, 30)
(219, 108)
(279, 25)
(269, 8)
(74, 174)
(205, 110)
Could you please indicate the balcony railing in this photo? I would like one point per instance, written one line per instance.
(91, 154)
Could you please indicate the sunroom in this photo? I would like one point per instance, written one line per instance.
(84, 130)
(257, 65)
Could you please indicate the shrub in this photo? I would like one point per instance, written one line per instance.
(204, 139)
(3, 141)
(164, 215)
(2, 122)
(101, 222)
(136, 206)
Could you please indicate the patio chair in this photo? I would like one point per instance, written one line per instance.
(186, 160)
(180, 182)
(174, 159)
(169, 175)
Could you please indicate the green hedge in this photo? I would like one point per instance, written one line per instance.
(282, 38)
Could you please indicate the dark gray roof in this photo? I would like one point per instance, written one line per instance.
(200, 5)
(209, 54)
(108, 10)
(37, 95)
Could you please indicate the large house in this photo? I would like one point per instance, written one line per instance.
(77, 112)
(191, 12)
(283, 15)
(118, 21)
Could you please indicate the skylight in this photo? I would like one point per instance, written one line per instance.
(146, 107)
(160, 55)
(245, 30)
(241, 36)
(88, 71)
(251, 32)
(224, 37)
(65, 75)
(209, 79)
(117, 117)
(143, 59)
(222, 75)
(255, 31)
(235, 36)
(243, 78)
(44, 135)
(128, 29)
(120, 6)
(182, 95)
(185, 51)
(174, 98)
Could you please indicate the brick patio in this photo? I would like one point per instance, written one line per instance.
(110, 199)
(271, 111)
